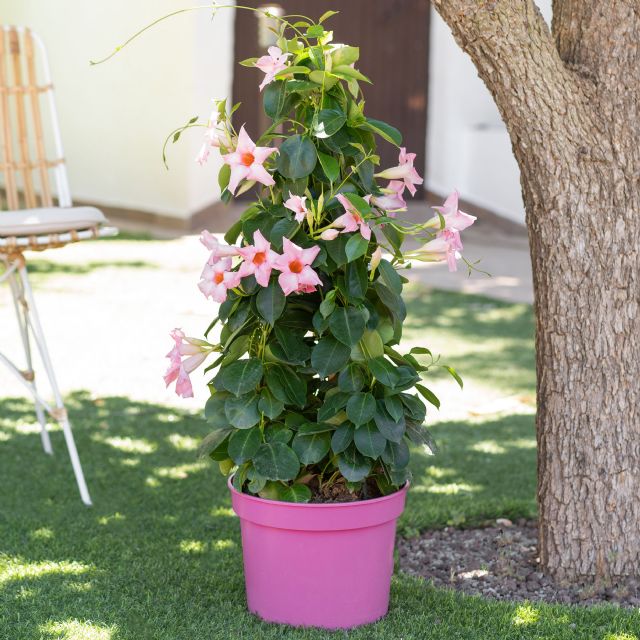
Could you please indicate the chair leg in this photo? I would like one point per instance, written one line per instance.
(60, 412)
(29, 375)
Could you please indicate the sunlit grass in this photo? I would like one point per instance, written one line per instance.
(525, 614)
(75, 630)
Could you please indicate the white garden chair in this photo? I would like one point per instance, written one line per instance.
(29, 220)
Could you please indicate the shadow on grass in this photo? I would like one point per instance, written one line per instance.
(158, 556)
(487, 339)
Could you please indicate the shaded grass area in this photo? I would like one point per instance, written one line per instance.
(483, 339)
(158, 556)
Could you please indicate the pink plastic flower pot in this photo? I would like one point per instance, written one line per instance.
(320, 565)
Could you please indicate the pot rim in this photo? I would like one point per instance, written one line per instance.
(316, 505)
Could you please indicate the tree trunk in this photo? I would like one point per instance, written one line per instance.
(570, 102)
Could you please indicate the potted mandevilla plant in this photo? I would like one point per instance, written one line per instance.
(313, 403)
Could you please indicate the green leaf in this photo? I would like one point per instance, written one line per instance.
(415, 407)
(328, 122)
(293, 345)
(391, 300)
(351, 378)
(298, 157)
(455, 376)
(345, 71)
(315, 31)
(243, 444)
(356, 246)
(384, 371)
(428, 395)
(396, 454)
(256, 481)
(285, 385)
(214, 410)
(419, 435)
(278, 433)
(353, 466)
(371, 345)
(358, 202)
(269, 405)
(389, 427)
(394, 406)
(345, 56)
(212, 441)
(284, 228)
(310, 428)
(292, 69)
(361, 408)
(329, 165)
(249, 62)
(332, 404)
(276, 461)
(242, 412)
(311, 448)
(329, 356)
(327, 14)
(347, 325)
(390, 277)
(342, 437)
(328, 304)
(223, 176)
(241, 376)
(323, 78)
(271, 302)
(357, 281)
(274, 98)
(369, 441)
(384, 130)
(298, 493)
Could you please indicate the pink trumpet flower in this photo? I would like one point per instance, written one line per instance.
(405, 171)
(329, 234)
(453, 217)
(217, 278)
(259, 259)
(297, 274)
(351, 220)
(247, 161)
(271, 64)
(445, 246)
(186, 356)
(392, 201)
(297, 205)
(218, 250)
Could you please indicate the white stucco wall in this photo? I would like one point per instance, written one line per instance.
(468, 147)
(114, 117)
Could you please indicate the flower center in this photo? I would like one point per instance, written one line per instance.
(295, 266)
(218, 278)
(247, 159)
(259, 258)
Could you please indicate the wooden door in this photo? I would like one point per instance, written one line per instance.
(393, 36)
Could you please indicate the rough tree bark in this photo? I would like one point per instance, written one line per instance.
(570, 98)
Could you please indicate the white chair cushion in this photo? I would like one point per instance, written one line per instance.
(28, 222)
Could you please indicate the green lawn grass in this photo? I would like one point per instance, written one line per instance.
(158, 557)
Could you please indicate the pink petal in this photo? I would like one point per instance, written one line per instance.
(365, 231)
(288, 283)
(183, 385)
(258, 173)
(245, 143)
(238, 173)
(310, 254)
(262, 153)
